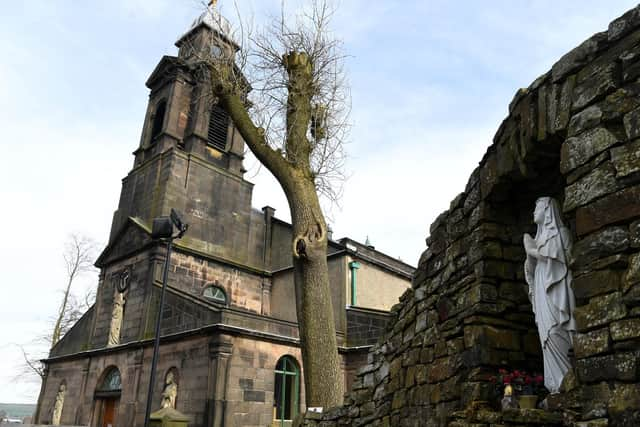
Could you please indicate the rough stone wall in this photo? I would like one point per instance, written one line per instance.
(573, 134)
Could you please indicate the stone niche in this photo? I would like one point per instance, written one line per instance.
(574, 134)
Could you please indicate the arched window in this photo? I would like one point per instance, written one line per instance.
(215, 294)
(158, 119)
(111, 384)
(286, 393)
(218, 127)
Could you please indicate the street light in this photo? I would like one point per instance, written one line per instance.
(163, 229)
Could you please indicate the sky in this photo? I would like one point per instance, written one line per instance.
(430, 83)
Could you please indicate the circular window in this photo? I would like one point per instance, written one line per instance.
(215, 294)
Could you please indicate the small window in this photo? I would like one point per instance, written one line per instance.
(111, 384)
(215, 294)
(158, 119)
(218, 127)
(286, 393)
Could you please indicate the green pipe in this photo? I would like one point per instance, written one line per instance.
(354, 266)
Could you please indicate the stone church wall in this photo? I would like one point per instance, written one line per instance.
(573, 135)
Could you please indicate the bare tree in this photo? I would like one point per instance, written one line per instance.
(79, 254)
(294, 120)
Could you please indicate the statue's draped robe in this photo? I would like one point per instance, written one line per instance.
(116, 318)
(552, 298)
(169, 395)
(57, 408)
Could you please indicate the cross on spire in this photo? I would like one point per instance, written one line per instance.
(212, 3)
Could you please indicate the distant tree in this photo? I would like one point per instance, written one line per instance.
(295, 122)
(79, 255)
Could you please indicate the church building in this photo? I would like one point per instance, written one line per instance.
(229, 352)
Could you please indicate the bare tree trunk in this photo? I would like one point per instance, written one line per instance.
(57, 328)
(322, 377)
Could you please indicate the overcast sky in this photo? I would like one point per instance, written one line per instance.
(430, 82)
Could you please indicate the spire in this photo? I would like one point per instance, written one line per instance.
(368, 244)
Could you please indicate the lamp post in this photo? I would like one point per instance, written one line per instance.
(163, 229)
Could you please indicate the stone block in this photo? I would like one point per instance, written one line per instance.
(600, 311)
(632, 124)
(591, 343)
(632, 275)
(600, 422)
(597, 183)
(594, 81)
(577, 150)
(624, 404)
(586, 119)
(600, 244)
(442, 368)
(399, 399)
(634, 234)
(625, 329)
(626, 159)
(484, 335)
(623, 25)
(563, 107)
(620, 102)
(622, 367)
(577, 57)
(613, 208)
(532, 416)
(596, 283)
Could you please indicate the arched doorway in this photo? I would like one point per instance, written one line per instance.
(106, 398)
(286, 392)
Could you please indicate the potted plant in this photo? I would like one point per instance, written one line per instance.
(511, 384)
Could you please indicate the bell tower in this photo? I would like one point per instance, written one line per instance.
(190, 153)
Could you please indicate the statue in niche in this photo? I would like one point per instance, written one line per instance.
(170, 392)
(57, 406)
(117, 314)
(549, 278)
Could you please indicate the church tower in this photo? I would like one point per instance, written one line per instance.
(190, 153)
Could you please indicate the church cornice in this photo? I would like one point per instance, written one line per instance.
(189, 157)
(217, 328)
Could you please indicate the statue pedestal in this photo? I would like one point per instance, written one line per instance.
(168, 417)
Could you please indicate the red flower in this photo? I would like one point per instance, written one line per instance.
(492, 379)
(516, 374)
(507, 379)
(539, 379)
(502, 371)
(527, 379)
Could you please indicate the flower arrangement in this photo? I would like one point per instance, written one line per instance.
(521, 382)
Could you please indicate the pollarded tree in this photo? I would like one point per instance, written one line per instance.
(294, 122)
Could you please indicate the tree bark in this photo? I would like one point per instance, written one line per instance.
(324, 384)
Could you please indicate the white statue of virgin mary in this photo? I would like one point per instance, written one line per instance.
(549, 278)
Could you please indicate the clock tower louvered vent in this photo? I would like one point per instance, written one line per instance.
(218, 126)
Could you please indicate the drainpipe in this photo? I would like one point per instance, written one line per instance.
(354, 266)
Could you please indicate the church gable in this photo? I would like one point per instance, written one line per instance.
(134, 235)
(167, 68)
